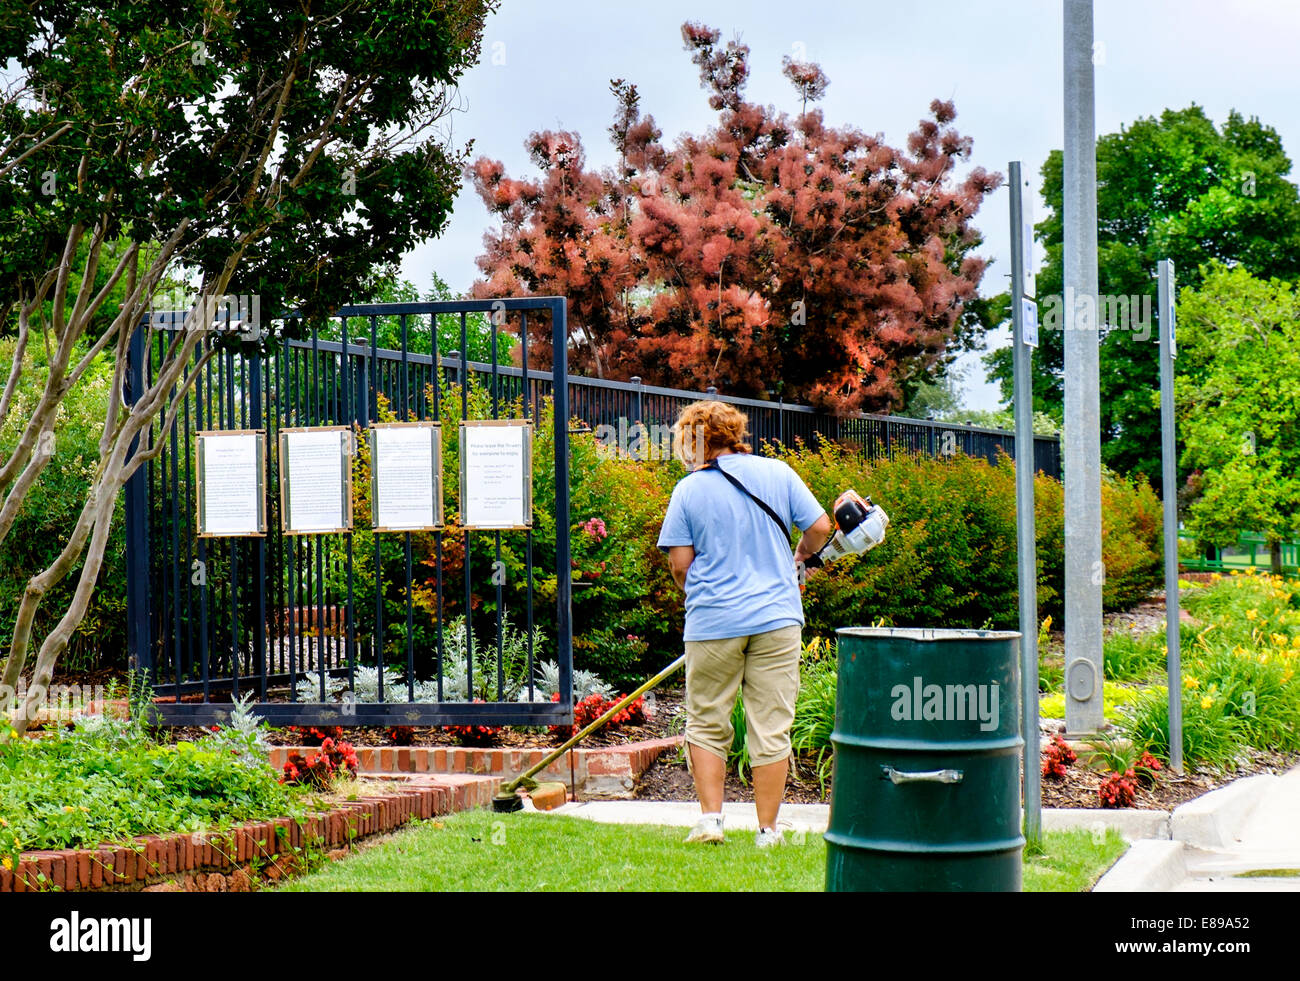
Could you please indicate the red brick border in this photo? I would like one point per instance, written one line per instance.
(151, 860)
(601, 771)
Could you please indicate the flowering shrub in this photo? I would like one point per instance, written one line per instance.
(401, 735)
(949, 556)
(591, 708)
(595, 527)
(1118, 790)
(469, 735)
(316, 735)
(1147, 768)
(322, 770)
(1057, 758)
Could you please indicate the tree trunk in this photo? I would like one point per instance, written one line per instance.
(1275, 555)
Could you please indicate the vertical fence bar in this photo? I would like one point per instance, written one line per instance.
(349, 614)
(528, 535)
(259, 623)
(139, 644)
(469, 596)
(373, 402)
(563, 557)
(437, 538)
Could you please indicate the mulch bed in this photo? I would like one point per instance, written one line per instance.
(1079, 789)
(668, 779)
(662, 724)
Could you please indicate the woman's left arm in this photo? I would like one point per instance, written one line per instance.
(680, 558)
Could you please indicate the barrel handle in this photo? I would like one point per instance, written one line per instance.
(928, 776)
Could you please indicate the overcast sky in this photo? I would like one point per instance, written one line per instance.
(547, 65)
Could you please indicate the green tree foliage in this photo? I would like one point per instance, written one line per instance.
(1239, 406)
(1171, 187)
(388, 330)
(283, 152)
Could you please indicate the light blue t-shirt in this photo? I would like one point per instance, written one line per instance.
(743, 580)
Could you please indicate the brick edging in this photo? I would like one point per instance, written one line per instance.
(600, 771)
(152, 859)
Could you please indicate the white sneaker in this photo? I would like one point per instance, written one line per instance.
(708, 829)
(769, 837)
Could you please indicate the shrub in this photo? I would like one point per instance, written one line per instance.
(1211, 735)
(321, 771)
(1131, 656)
(107, 780)
(1118, 790)
(616, 656)
(472, 735)
(589, 709)
(950, 556)
(1119, 755)
(814, 709)
(316, 735)
(1057, 758)
(401, 735)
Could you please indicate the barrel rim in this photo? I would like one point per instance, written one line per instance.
(928, 634)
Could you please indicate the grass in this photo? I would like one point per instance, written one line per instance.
(484, 851)
(1072, 861)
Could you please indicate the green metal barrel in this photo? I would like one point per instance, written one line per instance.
(926, 792)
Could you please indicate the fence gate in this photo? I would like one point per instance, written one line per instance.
(359, 627)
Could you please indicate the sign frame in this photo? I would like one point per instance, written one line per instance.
(345, 464)
(439, 515)
(527, 426)
(200, 471)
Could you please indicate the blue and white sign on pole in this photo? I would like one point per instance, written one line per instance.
(1029, 322)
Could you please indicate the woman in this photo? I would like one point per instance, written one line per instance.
(729, 549)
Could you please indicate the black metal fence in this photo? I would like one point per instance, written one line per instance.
(322, 631)
(619, 405)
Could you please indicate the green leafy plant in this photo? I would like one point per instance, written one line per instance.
(1131, 656)
(1120, 755)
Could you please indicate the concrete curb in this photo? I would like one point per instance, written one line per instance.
(1148, 866)
(1133, 824)
(1215, 820)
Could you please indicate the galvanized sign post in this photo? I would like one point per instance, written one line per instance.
(1024, 325)
(1169, 473)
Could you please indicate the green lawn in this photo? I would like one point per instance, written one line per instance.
(480, 850)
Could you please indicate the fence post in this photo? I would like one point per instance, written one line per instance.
(139, 641)
(711, 390)
(453, 371)
(636, 398)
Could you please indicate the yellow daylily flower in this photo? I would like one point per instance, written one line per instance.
(1190, 682)
(1206, 702)
(8, 863)
(1250, 614)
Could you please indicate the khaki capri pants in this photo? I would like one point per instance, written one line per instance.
(764, 668)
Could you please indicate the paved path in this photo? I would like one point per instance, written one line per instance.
(1269, 839)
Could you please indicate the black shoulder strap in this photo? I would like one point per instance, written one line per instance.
(714, 465)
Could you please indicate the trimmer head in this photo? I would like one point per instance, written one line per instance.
(507, 803)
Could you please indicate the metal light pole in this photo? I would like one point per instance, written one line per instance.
(1169, 469)
(1084, 572)
(1024, 337)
